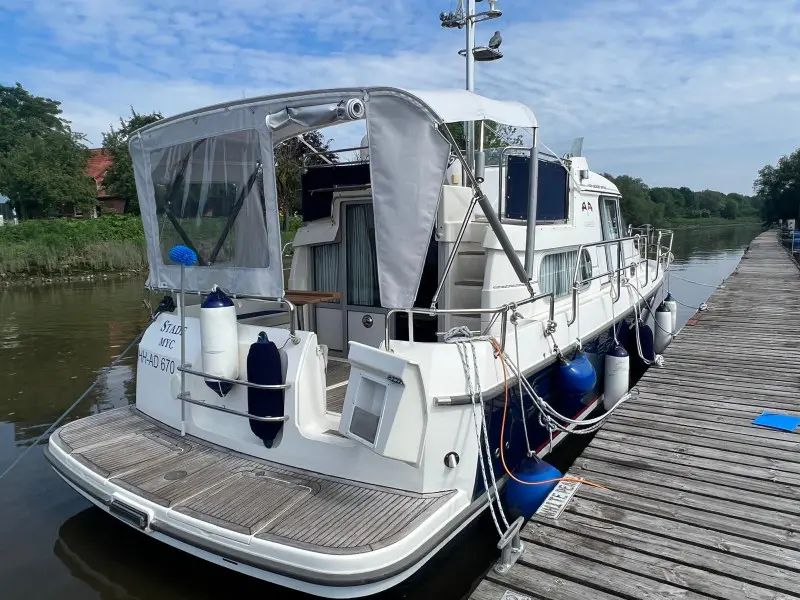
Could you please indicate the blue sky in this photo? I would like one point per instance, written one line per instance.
(682, 92)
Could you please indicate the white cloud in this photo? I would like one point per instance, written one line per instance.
(686, 93)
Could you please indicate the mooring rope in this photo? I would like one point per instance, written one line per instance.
(462, 338)
(721, 284)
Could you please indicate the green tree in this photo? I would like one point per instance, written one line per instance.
(42, 160)
(670, 199)
(689, 200)
(778, 188)
(494, 135)
(289, 162)
(730, 209)
(118, 179)
(636, 204)
(711, 201)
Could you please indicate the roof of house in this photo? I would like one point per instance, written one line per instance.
(96, 166)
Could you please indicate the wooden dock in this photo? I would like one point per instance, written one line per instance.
(700, 503)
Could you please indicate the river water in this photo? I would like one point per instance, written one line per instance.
(55, 545)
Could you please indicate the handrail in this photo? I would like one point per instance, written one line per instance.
(660, 247)
(185, 397)
(608, 272)
(467, 311)
(292, 309)
(306, 155)
(258, 386)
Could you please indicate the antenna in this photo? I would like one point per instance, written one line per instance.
(467, 19)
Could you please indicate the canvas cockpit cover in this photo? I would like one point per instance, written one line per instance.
(207, 183)
(206, 179)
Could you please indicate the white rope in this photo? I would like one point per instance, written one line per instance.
(514, 318)
(708, 285)
(462, 338)
(550, 413)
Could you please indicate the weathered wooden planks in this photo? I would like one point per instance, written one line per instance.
(700, 503)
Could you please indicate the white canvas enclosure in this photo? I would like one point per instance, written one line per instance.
(206, 179)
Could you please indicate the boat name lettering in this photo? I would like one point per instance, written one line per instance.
(167, 342)
(170, 328)
(156, 362)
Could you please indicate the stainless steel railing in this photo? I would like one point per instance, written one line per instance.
(185, 368)
(290, 307)
(259, 386)
(663, 252)
(609, 272)
(642, 242)
(496, 312)
(185, 397)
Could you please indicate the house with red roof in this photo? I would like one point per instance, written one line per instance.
(96, 167)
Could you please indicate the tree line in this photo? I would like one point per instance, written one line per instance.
(42, 162)
(663, 205)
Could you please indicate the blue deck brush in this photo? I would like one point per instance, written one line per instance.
(183, 256)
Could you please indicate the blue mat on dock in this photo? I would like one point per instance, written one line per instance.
(777, 421)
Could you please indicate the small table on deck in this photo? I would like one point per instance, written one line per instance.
(302, 297)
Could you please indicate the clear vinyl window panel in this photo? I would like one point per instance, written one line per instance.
(210, 197)
(362, 268)
(557, 270)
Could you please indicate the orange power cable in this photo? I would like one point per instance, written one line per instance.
(503, 429)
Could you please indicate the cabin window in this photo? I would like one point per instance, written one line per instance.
(326, 268)
(612, 229)
(209, 196)
(557, 270)
(552, 202)
(362, 269)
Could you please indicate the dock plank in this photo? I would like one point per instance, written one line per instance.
(697, 502)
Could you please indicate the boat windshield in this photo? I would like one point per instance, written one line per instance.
(209, 196)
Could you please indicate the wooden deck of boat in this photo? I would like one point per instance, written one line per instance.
(239, 493)
(700, 503)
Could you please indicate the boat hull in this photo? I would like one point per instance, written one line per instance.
(332, 570)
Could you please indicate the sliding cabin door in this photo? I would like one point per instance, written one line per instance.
(328, 278)
(365, 319)
(612, 230)
(350, 266)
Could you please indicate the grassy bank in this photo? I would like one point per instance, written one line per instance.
(63, 247)
(682, 223)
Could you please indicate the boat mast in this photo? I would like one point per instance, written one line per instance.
(468, 18)
(469, 126)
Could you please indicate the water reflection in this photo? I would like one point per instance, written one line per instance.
(53, 343)
(704, 257)
(702, 242)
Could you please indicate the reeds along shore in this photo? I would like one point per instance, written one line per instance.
(60, 247)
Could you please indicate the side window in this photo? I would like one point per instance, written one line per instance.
(557, 270)
(585, 271)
